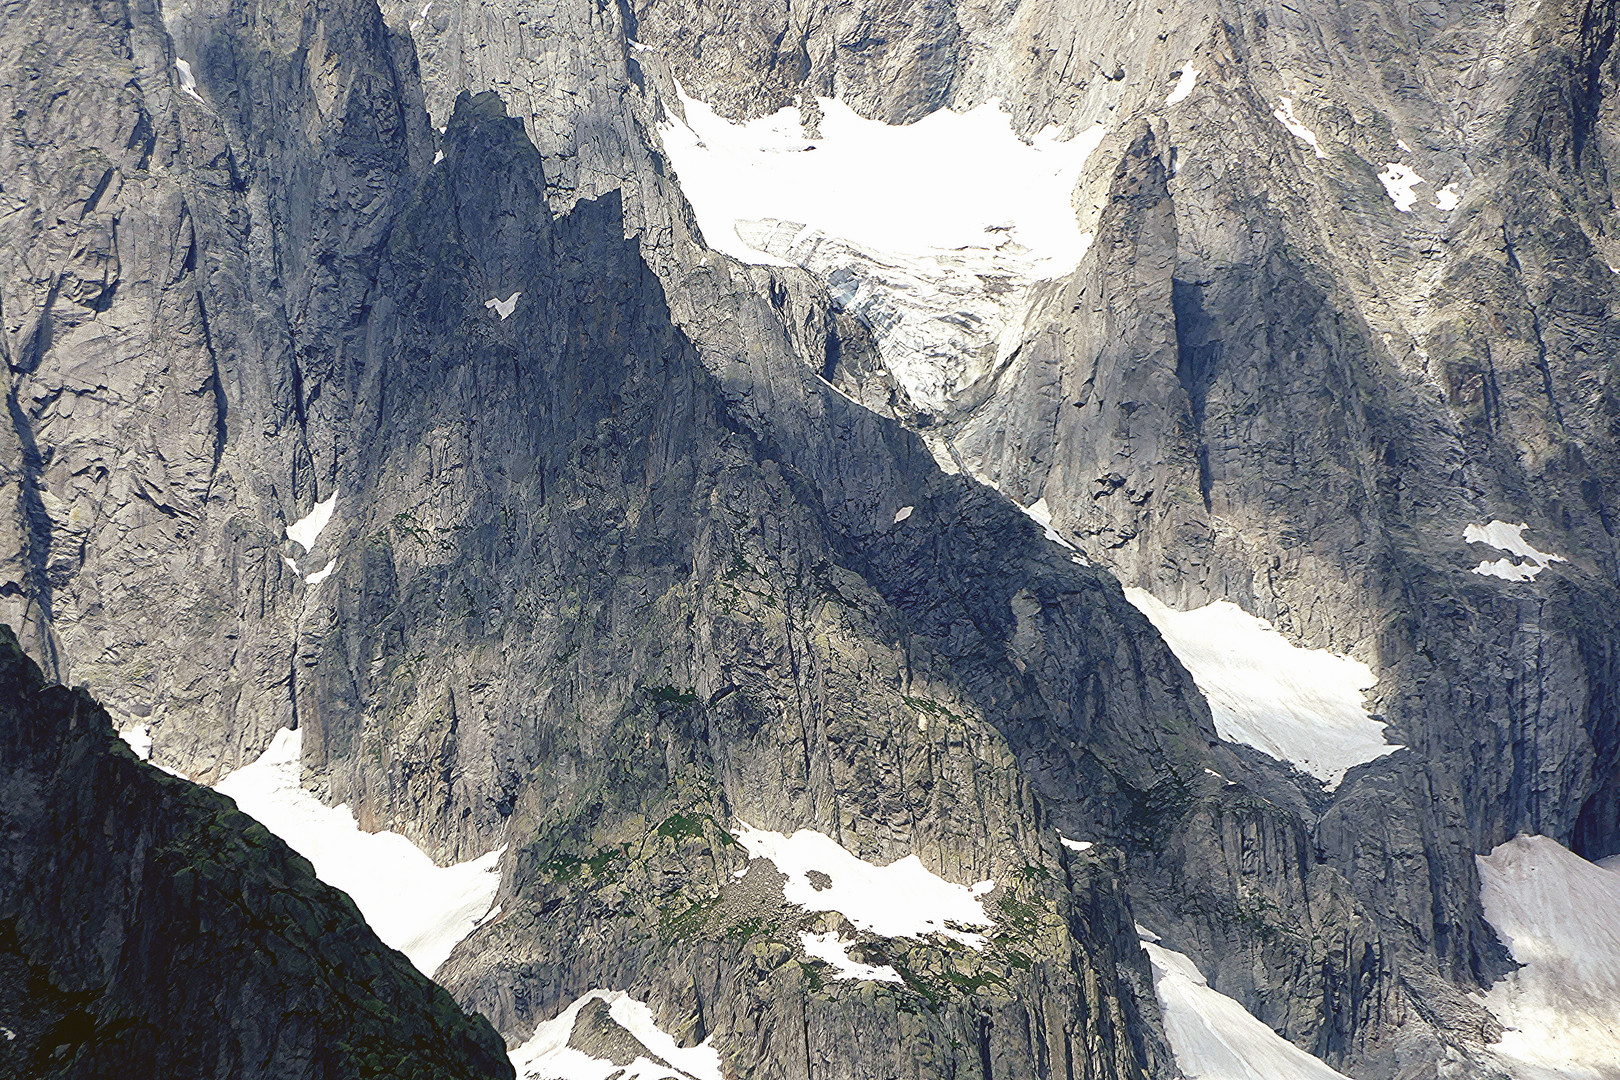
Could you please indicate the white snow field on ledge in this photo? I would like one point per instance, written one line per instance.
(547, 1055)
(1214, 1037)
(1302, 706)
(1526, 563)
(902, 899)
(932, 232)
(411, 903)
(1559, 916)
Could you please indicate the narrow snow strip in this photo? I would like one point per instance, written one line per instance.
(902, 899)
(1214, 1037)
(835, 953)
(1299, 705)
(1559, 916)
(503, 308)
(308, 528)
(948, 181)
(1399, 180)
(1184, 86)
(547, 1055)
(188, 81)
(139, 738)
(1285, 116)
(322, 574)
(1447, 198)
(1041, 514)
(419, 908)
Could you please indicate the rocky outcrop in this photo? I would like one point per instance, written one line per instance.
(149, 929)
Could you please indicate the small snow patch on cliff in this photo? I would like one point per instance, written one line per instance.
(188, 81)
(834, 952)
(1285, 116)
(547, 1054)
(1399, 180)
(307, 529)
(902, 899)
(503, 308)
(1527, 561)
(1184, 86)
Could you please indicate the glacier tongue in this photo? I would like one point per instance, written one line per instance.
(941, 319)
(1559, 916)
(933, 233)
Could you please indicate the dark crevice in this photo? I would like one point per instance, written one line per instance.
(1197, 360)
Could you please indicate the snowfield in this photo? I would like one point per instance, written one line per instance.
(1303, 706)
(411, 903)
(1559, 916)
(1214, 1037)
(547, 1055)
(902, 899)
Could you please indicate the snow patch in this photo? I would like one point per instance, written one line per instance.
(413, 905)
(547, 1055)
(835, 953)
(1214, 1037)
(139, 738)
(1184, 86)
(902, 899)
(1299, 705)
(503, 308)
(438, 156)
(1075, 845)
(1559, 916)
(1285, 116)
(188, 81)
(1447, 198)
(1505, 537)
(903, 513)
(322, 574)
(308, 528)
(1399, 180)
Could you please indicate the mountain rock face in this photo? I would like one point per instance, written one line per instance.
(369, 374)
(149, 929)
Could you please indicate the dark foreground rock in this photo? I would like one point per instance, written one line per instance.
(148, 928)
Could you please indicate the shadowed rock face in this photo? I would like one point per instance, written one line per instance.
(149, 929)
(613, 567)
